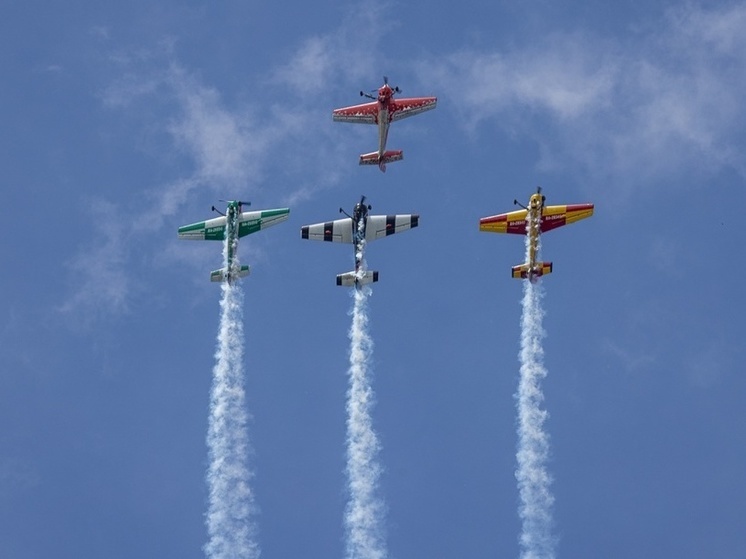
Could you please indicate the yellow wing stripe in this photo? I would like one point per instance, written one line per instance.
(504, 223)
(578, 212)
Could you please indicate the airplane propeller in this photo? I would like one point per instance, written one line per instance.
(385, 82)
(236, 202)
(239, 202)
(538, 191)
(360, 204)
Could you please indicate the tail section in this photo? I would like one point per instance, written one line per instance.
(223, 275)
(524, 271)
(388, 157)
(354, 278)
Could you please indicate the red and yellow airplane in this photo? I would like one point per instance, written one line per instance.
(383, 110)
(532, 221)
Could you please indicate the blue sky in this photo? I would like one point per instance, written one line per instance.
(121, 123)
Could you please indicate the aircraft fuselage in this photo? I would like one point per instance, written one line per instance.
(383, 129)
(231, 232)
(533, 230)
(385, 94)
(359, 222)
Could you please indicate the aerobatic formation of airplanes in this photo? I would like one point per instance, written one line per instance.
(383, 110)
(232, 225)
(358, 229)
(533, 220)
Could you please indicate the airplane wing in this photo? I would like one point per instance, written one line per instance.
(251, 222)
(367, 113)
(209, 230)
(339, 231)
(379, 226)
(557, 216)
(511, 222)
(551, 218)
(402, 108)
(248, 222)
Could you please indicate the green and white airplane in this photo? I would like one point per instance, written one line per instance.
(232, 225)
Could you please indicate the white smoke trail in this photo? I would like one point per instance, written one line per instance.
(230, 526)
(534, 481)
(365, 511)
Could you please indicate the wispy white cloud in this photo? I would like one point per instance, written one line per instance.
(633, 360)
(222, 148)
(708, 366)
(559, 76)
(222, 142)
(97, 272)
(705, 30)
(101, 32)
(310, 68)
(663, 101)
(348, 54)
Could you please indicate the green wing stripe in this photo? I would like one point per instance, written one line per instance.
(199, 232)
(262, 220)
(272, 213)
(194, 228)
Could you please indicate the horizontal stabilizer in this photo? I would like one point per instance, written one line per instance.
(354, 278)
(222, 274)
(524, 271)
(388, 157)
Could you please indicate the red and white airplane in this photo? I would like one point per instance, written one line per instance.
(383, 111)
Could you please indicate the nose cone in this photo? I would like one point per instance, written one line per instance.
(384, 93)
